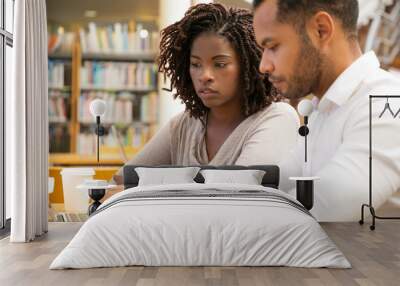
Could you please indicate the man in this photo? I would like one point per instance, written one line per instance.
(310, 47)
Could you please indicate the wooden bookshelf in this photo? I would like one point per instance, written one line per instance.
(62, 159)
(61, 56)
(62, 88)
(136, 56)
(74, 123)
(61, 92)
(116, 89)
(76, 66)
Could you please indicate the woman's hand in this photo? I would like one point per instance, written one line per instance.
(119, 180)
(112, 191)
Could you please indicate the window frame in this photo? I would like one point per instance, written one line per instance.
(6, 39)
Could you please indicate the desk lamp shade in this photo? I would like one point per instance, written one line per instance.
(98, 108)
(305, 107)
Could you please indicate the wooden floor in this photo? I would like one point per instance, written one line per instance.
(375, 257)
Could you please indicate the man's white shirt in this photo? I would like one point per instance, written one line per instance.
(338, 143)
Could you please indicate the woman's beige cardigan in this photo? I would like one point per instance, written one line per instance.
(262, 138)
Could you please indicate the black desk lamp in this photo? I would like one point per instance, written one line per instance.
(97, 109)
(305, 185)
(97, 188)
(305, 108)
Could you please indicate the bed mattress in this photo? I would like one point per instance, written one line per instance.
(201, 225)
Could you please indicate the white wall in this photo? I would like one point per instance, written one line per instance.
(170, 12)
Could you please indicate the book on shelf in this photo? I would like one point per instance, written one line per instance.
(121, 107)
(60, 42)
(133, 139)
(117, 38)
(118, 75)
(149, 108)
(58, 106)
(59, 139)
(59, 73)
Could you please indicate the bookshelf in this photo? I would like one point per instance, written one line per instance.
(148, 56)
(115, 63)
(60, 84)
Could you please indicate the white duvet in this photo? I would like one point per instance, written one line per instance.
(203, 231)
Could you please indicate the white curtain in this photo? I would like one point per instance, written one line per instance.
(27, 123)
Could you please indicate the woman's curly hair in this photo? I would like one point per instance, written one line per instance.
(236, 26)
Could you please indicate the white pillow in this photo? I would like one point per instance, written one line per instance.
(163, 176)
(248, 177)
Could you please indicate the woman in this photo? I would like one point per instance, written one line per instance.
(232, 116)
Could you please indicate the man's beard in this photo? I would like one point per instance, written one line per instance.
(307, 72)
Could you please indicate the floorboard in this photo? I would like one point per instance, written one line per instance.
(375, 257)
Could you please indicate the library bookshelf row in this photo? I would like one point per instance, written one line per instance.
(115, 64)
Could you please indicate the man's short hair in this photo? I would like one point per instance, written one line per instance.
(297, 11)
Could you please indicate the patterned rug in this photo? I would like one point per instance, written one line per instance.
(68, 217)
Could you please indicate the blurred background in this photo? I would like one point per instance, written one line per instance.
(107, 49)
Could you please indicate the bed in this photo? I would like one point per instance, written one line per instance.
(201, 224)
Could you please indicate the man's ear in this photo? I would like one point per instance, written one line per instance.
(321, 28)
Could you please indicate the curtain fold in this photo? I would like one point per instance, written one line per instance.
(27, 135)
